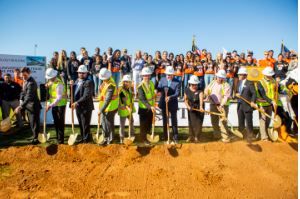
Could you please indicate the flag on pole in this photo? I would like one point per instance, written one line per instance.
(283, 49)
(195, 48)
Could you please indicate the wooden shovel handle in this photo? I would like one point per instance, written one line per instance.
(263, 112)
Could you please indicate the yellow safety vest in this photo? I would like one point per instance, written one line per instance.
(53, 93)
(269, 87)
(149, 93)
(114, 103)
(123, 111)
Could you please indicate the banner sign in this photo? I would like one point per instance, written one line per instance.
(37, 65)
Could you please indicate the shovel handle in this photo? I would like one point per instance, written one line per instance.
(256, 108)
(167, 113)
(72, 111)
(209, 112)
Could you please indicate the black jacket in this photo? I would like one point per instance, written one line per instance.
(173, 92)
(84, 97)
(11, 91)
(249, 93)
(29, 96)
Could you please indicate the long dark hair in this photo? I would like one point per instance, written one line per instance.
(115, 53)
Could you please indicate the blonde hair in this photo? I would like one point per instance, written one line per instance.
(62, 61)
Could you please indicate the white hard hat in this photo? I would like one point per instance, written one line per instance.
(82, 69)
(50, 73)
(104, 74)
(169, 70)
(126, 78)
(268, 71)
(194, 80)
(146, 71)
(242, 71)
(221, 74)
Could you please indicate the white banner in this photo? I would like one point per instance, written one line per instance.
(181, 116)
(37, 65)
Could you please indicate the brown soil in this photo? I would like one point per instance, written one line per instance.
(208, 170)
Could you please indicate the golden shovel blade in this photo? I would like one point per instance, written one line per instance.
(153, 139)
(273, 134)
(42, 138)
(5, 125)
(238, 133)
(129, 140)
(72, 138)
(98, 138)
(277, 122)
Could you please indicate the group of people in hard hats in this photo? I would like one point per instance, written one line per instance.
(119, 99)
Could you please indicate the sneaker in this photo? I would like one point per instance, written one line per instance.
(147, 143)
(196, 140)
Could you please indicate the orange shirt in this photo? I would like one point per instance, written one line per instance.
(19, 81)
(265, 63)
(288, 60)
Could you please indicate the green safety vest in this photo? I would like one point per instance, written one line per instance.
(269, 87)
(123, 111)
(149, 93)
(114, 103)
(222, 90)
(53, 93)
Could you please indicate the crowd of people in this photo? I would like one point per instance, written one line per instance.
(117, 79)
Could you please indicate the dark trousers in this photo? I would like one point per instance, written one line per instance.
(84, 119)
(108, 124)
(174, 124)
(195, 119)
(34, 121)
(244, 116)
(58, 113)
(146, 117)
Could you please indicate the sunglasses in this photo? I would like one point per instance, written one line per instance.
(81, 73)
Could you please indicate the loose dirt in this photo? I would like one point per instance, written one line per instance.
(206, 170)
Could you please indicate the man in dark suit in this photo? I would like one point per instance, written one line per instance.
(246, 90)
(83, 102)
(30, 102)
(172, 86)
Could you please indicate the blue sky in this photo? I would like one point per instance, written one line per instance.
(147, 25)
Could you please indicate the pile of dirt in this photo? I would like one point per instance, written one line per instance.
(217, 170)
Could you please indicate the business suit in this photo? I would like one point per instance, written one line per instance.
(83, 97)
(31, 103)
(244, 110)
(173, 92)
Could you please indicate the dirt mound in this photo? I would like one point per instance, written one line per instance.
(216, 170)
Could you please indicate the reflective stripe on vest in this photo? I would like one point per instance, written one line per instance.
(53, 93)
(269, 87)
(123, 111)
(149, 93)
(114, 102)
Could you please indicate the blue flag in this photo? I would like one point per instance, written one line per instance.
(284, 49)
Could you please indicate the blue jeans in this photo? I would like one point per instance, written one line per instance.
(230, 82)
(186, 79)
(208, 78)
(96, 83)
(202, 83)
(116, 77)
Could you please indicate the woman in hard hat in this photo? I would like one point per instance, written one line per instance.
(126, 106)
(193, 99)
(108, 104)
(57, 101)
(146, 96)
